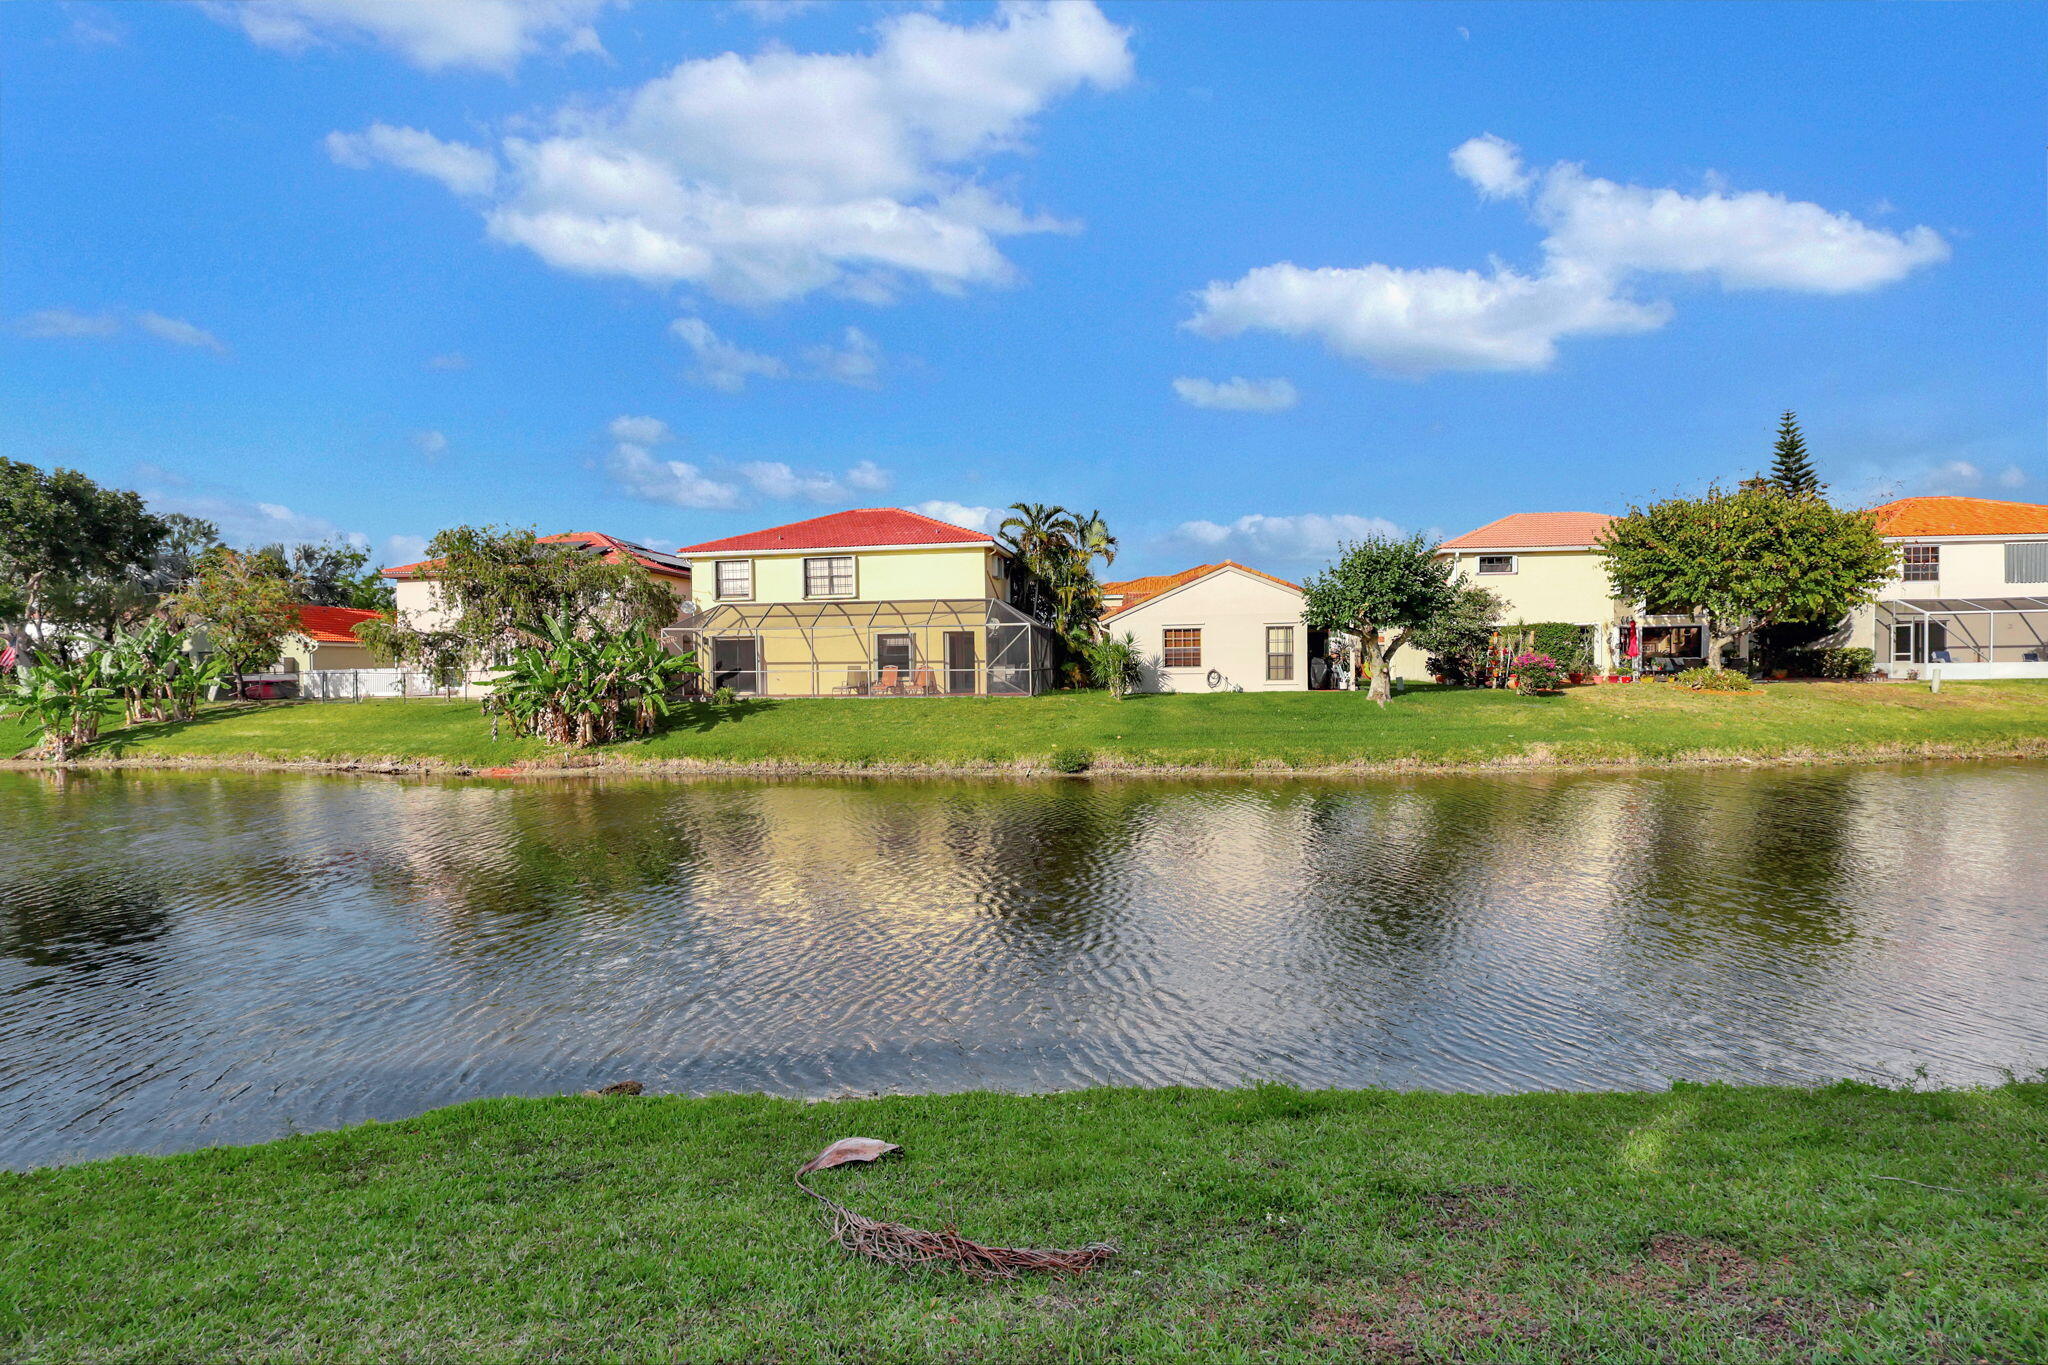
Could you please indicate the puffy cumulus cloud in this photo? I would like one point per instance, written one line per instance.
(721, 364)
(488, 35)
(637, 470)
(1309, 536)
(2011, 477)
(1238, 394)
(974, 518)
(179, 332)
(1603, 238)
(777, 481)
(401, 550)
(856, 360)
(769, 177)
(467, 170)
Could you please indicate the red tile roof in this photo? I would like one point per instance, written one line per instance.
(607, 547)
(1961, 517)
(332, 625)
(843, 530)
(1137, 590)
(1533, 531)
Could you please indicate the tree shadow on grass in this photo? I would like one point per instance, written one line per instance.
(705, 716)
(119, 743)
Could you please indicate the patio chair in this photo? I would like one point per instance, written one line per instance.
(892, 680)
(925, 682)
(856, 683)
(1940, 656)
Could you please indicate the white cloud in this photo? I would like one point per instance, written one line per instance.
(675, 482)
(453, 360)
(1492, 164)
(1238, 394)
(402, 550)
(1419, 321)
(773, 11)
(974, 518)
(467, 170)
(769, 177)
(1602, 238)
(430, 443)
(95, 29)
(643, 431)
(778, 481)
(856, 360)
(2012, 476)
(1255, 537)
(68, 322)
(490, 35)
(721, 364)
(179, 332)
(245, 523)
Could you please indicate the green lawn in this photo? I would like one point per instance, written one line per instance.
(1644, 722)
(1703, 1224)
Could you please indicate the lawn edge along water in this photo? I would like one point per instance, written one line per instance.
(1291, 734)
(1706, 1223)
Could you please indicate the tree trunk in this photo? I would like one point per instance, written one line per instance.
(1381, 688)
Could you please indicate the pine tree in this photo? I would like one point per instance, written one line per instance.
(1791, 471)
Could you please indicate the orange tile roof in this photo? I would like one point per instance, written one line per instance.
(333, 625)
(1961, 517)
(607, 547)
(1136, 590)
(840, 530)
(1534, 530)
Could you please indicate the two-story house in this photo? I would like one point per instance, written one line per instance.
(416, 587)
(1972, 592)
(876, 601)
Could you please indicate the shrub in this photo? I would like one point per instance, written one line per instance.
(1713, 680)
(1067, 760)
(64, 701)
(1563, 642)
(1842, 663)
(1536, 673)
(725, 696)
(1114, 663)
(589, 687)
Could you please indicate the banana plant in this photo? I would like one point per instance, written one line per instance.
(64, 701)
(590, 685)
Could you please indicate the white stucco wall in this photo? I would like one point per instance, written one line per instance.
(1232, 609)
(1970, 567)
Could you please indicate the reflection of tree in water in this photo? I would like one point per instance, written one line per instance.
(87, 921)
(1739, 866)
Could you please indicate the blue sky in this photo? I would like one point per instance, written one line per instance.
(338, 267)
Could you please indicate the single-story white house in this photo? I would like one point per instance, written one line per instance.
(1223, 628)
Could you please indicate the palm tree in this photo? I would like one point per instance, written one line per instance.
(1091, 535)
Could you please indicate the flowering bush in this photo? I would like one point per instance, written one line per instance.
(1536, 673)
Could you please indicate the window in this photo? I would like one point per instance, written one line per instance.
(830, 576)
(1923, 563)
(2026, 561)
(1279, 653)
(733, 578)
(1183, 647)
(1496, 563)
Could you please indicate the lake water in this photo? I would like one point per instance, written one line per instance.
(188, 959)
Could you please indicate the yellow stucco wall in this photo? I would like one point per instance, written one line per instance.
(908, 574)
(1547, 585)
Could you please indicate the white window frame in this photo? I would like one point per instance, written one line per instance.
(1163, 647)
(1479, 565)
(718, 592)
(852, 577)
(1906, 566)
(1293, 655)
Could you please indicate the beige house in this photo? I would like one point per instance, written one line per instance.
(1220, 628)
(1972, 593)
(1547, 567)
(418, 597)
(877, 601)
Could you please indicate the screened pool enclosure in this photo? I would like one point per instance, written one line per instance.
(937, 648)
(1982, 636)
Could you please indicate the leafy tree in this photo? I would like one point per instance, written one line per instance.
(1382, 589)
(1747, 559)
(1458, 640)
(334, 574)
(1057, 550)
(65, 701)
(498, 590)
(588, 684)
(105, 606)
(66, 543)
(1791, 472)
(244, 606)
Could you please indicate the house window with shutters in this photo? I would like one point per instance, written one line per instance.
(2026, 561)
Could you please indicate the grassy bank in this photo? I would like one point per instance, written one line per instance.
(1704, 1224)
(1641, 723)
